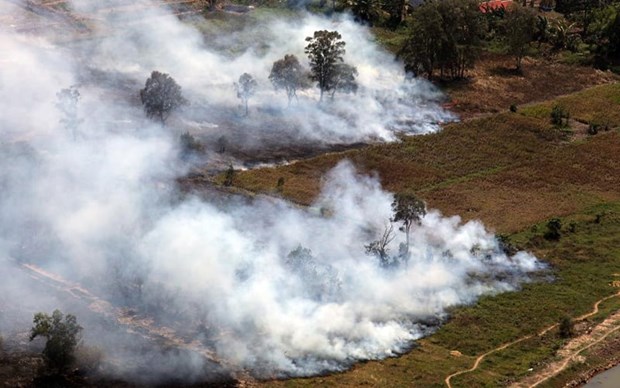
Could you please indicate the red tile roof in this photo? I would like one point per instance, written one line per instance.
(494, 4)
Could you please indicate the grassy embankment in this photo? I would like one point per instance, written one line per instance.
(513, 171)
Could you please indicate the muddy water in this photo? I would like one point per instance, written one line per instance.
(608, 379)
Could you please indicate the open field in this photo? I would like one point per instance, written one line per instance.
(486, 168)
(514, 172)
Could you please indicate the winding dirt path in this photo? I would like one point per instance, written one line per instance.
(570, 353)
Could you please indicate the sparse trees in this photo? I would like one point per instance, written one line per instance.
(288, 74)
(62, 334)
(325, 51)
(408, 210)
(161, 96)
(520, 27)
(67, 103)
(246, 87)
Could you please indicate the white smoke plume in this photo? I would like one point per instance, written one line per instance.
(101, 209)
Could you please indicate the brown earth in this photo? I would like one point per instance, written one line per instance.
(494, 85)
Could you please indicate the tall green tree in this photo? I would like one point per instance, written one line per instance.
(62, 334)
(288, 74)
(407, 209)
(344, 79)
(67, 103)
(519, 31)
(325, 51)
(246, 87)
(161, 96)
(605, 35)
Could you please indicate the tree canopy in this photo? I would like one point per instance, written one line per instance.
(246, 87)
(325, 52)
(62, 334)
(445, 35)
(288, 74)
(161, 96)
(520, 27)
(408, 210)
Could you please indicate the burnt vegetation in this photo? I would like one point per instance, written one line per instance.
(443, 41)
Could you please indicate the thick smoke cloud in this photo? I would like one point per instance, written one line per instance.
(208, 67)
(101, 209)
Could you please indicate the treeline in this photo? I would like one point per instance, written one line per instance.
(445, 37)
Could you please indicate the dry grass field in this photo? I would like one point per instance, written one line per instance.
(510, 170)
(514, 171)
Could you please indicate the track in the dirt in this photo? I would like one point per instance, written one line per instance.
(595, 310)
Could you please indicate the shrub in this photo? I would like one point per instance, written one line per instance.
(505, 245)
(566, 327)
(554, 228)
(593, 129)
(559, 116)
(230, 175)
(280, 183)
(572, 227)
(189, 144)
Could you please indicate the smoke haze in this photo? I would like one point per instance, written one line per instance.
(100, 208)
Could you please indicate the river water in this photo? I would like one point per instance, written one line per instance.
(608, 379)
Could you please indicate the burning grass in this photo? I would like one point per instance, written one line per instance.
(513, 171)
(581, 274)
(510, 170)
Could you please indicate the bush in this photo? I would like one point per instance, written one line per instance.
(189, 144)
(230, 176)
(280, 183)
(558, 116)
(62, 334)
(566, 327)
(554, 228)
(505, 245)
(593, 129)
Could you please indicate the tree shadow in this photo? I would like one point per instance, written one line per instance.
(502, 71)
